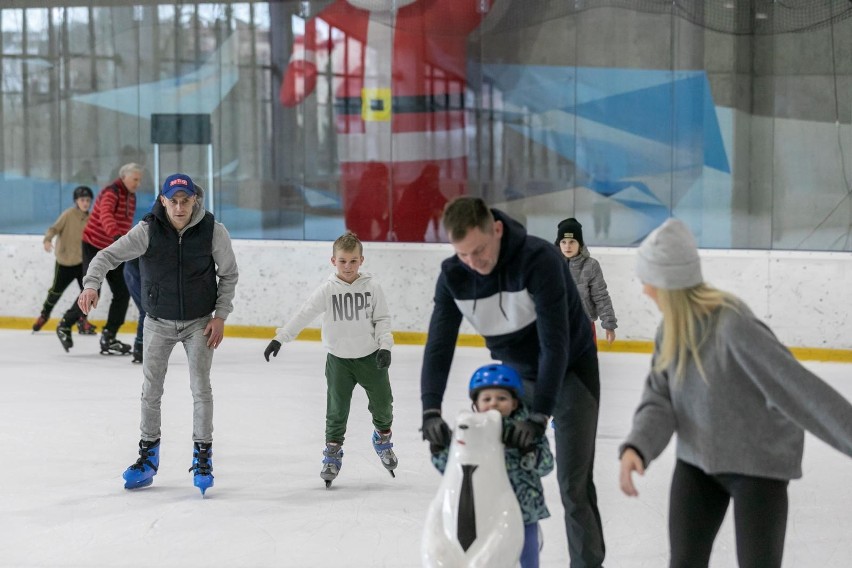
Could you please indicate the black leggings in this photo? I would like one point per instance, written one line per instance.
(697, 507)
(62, 277)
(120, 294)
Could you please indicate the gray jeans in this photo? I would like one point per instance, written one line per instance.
(158, 341)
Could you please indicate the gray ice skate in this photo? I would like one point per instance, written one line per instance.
(384, 449)
(331, 462)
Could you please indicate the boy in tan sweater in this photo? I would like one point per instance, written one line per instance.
(68, 231)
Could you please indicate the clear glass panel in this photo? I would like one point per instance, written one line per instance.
(370, 114)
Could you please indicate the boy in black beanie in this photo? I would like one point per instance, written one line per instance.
(588, 276)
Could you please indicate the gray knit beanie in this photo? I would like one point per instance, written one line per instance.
(668, 258)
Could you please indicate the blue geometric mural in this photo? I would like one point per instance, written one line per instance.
(618, 127)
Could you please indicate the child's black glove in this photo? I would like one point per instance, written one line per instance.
(383, 359)
(272, 349)
(525, 434)
(435, 430)
(435, 449)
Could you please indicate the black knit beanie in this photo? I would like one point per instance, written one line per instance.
(570, 229)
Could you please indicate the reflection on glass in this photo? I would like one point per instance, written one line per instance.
(371, 114)
(398, 79)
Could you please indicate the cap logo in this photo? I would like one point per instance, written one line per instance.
(178, 181)
(568, 236)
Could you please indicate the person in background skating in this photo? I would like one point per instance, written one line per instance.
(189, 276)
(356, 331)
(500, 388)
(516, 291)
(68, 230)
(111, 217)
(738, 401)
(588, 276)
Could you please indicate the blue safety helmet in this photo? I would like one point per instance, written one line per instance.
(496, 376)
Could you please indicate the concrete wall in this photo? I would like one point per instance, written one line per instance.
(804, 297)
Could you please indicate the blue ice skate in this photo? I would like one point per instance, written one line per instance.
(141, 474)
(202, 465)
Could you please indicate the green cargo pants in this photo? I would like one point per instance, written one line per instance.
(341, 376)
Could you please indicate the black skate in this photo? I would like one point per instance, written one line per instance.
(39, 323)
(63, 332)
(137, 351)
(86, 328)
(331, 462)
(112, 346)
(384, 449)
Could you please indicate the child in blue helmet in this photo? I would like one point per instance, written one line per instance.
(499, 387)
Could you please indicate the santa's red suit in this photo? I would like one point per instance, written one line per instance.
(399, 84)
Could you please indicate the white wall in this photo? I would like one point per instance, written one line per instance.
(804, 297)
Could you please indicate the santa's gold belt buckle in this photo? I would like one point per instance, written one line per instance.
(375, 105)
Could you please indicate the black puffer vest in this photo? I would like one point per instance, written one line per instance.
(178, 273)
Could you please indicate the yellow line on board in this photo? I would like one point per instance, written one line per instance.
(419, 338)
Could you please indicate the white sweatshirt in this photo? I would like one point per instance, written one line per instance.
(355, 322)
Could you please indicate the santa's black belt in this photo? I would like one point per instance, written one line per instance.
(411, 104)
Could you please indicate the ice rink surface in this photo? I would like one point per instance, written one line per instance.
(69, 428)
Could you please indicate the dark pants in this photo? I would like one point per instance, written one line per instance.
(120, 295)
(697, 507)
(134, 287)
(62, 277)
(575, 417)
(529, 554)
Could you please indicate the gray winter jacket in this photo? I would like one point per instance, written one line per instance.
(749, 415)
(587, 274)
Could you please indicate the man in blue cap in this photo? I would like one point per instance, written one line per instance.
(189, 274)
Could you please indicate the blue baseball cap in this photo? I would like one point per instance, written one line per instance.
(178, 182)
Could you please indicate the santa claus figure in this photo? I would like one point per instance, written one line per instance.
(398, 68)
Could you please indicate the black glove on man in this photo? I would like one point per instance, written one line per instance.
(525, 434)
(435, 430)
(383, 359)
(272, 349)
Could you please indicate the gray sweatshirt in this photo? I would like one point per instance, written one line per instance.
(355, 321)
(135, 243)
(750, 414)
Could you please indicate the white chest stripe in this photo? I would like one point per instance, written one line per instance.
(488, 319)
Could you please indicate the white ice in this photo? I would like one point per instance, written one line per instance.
(69, 427)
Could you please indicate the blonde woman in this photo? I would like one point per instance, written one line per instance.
(739, 403)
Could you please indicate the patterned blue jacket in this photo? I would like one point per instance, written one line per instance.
(525, 472)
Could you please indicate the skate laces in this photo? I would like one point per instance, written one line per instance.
(333, 454)
(382, 442)
(145, 452)
(201, 463)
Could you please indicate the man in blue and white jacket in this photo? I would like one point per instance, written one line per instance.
(517, 292)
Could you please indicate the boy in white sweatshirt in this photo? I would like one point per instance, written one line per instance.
(356, 331)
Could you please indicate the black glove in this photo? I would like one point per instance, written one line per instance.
(525, 434)
(383, 359)
(272, 349)
(435, 449)
(435, 430)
